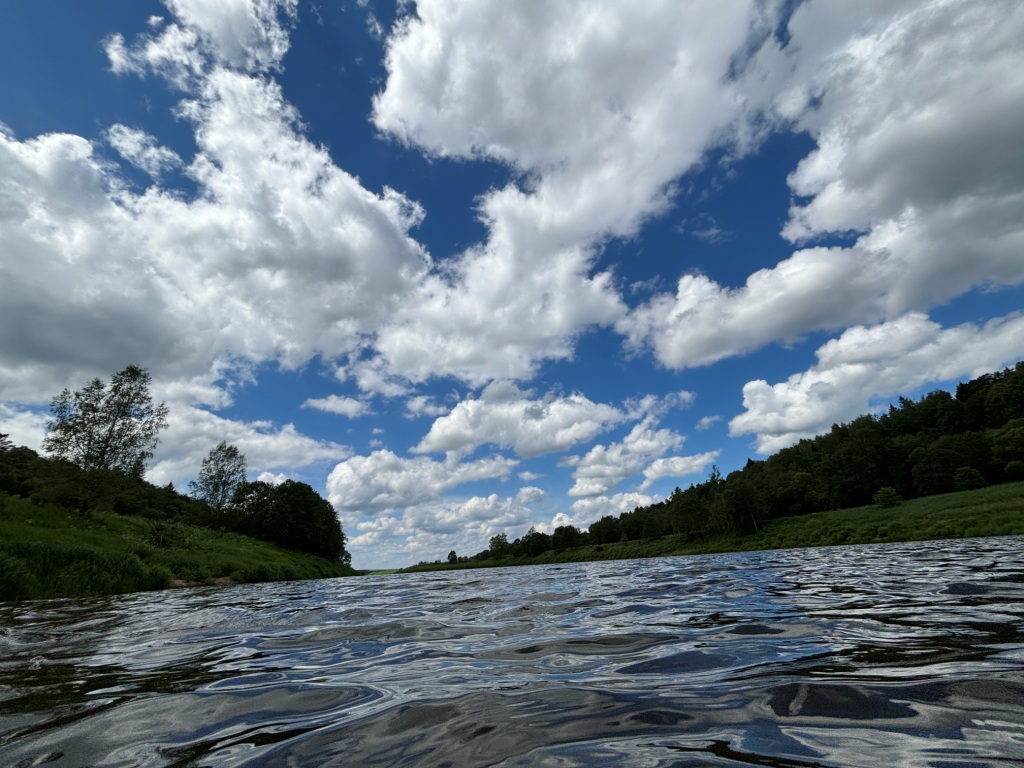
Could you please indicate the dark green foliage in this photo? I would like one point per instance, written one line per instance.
(107, 428)
(291, 515)
(887, 498)
(968, 479)
(566, 537)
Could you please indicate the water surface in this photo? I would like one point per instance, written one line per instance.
(882, 655)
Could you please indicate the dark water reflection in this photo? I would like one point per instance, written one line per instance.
(886, 655)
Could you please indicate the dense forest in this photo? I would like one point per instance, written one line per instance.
(941, 443)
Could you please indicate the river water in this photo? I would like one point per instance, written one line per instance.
(880, 655)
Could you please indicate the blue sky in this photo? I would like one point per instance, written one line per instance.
(472, 268)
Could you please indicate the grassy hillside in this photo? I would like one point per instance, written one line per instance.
(47, 551)
(993, 511)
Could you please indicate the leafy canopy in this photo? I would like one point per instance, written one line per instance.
(107, 427)
(221, 474)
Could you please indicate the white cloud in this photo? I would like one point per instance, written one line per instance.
(27, 428)
(595, 507)
(141, 150)
(339, 404)
(649, 93)
(192, 432)
(428, 531)
(927, 170)
(508, 417)
(678, 466)
(604, 467)
(183, 285)
(246, 35)
(384, 481)
(868, 363)
(423, 405)
(706, 422)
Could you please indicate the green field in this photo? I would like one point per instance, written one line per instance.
(993, 511)
(47, 551)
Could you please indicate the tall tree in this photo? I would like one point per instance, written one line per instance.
(107, 427)
(221, 474)
(5, 442)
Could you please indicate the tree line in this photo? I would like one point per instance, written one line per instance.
(941, 443)
(100, 439)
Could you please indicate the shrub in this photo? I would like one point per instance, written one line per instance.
(968, 479)
(887, 498)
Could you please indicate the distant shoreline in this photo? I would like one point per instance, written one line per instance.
(994, 511)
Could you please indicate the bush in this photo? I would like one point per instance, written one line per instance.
(968, 479)
(887, 498)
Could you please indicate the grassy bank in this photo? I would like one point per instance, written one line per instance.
(994, 511)
(47, 551)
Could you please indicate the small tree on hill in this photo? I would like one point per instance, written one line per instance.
(221, 474)
(887, 498)
(101, 427)
(5, 442)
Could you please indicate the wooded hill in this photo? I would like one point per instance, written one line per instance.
(941, 443)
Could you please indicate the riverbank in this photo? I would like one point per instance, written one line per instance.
(47, 551)
(994, 511)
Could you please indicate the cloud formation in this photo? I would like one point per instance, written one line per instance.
(508, 417)
(868, 362)
(926, 173)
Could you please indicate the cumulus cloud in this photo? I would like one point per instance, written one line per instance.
(27, 428)
(593, 508)
(605, 466)
(199, 280)
(423, 405)
(927, 174)
(246, 35)
(268, 448)
(384, 481)
(867, 363)
(509, 417)
(678, 466)
(649, 92)
(430, 530)
(339, 404)
(200, 286)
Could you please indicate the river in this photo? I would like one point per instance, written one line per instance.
(879, 656)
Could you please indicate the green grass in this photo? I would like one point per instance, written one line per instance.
(47, 551)
(993, 511)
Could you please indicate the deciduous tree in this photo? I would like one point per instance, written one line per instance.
(107, 427)
(221, 474)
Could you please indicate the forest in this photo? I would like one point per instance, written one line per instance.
(941, 443)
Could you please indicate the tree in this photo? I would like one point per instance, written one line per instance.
(221, 474)
(452, 557)
(499, 546)
(101, 427)
(294, 516)
(5, 442)
(887, 497)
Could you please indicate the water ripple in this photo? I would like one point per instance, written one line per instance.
(903, 655)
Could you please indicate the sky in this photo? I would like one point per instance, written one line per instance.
(472, 268)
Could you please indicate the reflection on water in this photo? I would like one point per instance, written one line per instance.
(882, 655)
